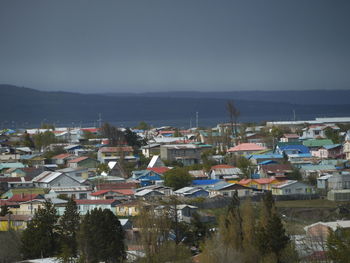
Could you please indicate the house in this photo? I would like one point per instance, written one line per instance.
(129, 208)
(290, 137)
(77, 192)
(115, 169)
(146, 177)
(275, 170)
(185, 212)
(256, 138)
(342, 195)
(191, 192)
(49, 179)
(62, 159)
(328, 151)
(106, 154)
(291, 149)
(85, 205)
(155, 162)
(198, 174)
(5, 166)
(320, 230)
(224, 171)
(187, 154)
(317, 131)
(229, 189)
(292, 187)
(317, 170)
(83, 161)
(32, 206)
(346, 147)
(315, 144)
(245, 149)
(151, 150)
(260, 184)
(112, 194)
(148, 193)
(259, 158)
(17, 222)
(167, 191)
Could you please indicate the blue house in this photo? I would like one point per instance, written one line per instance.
(292, 149)
(146, 177)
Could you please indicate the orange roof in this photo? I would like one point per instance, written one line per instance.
(159, 170)
(79, 159)
(245, 181)
(221, 166)
(246, 147)
(62, 156)
(116, 149)
(23, 197)
(265, 180)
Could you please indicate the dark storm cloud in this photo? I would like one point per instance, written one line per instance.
(175, 45)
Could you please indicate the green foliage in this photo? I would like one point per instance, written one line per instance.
(4, 210)
(42, 140)
(115, 136)
(177, 178)
(103, 167)
(27, 140)
(295, 175)
(49, 154)
(143, 126)
(245, 165)
(101, 237)
(177, 133)
(133, 139)
(332, 135)
(40, 237)
(68, 229)
(338, 244)
(10, 244)
(87, 135)
(47, 126)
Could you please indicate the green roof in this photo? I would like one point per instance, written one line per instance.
(11, 165)
(279, 144)
(14, 191)
(317, 143)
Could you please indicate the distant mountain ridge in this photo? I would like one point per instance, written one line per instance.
(29, 107)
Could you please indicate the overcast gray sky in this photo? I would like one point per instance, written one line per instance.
(146, 45)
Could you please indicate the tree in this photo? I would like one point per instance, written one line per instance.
(234, 115)
(10, 247)
(245, 166)
(40, 237)
(114, 135)
(332, 135)
(69, 226)
(101, 237)
(143, 126)
(103, 167)
(177, 178)
(27, 140)
(42, 140)
(133, 139)
(4, 210)
(338, 244)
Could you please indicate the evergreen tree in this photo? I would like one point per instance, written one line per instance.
(39, 239)
(177, 178)
(338, 244)
(4, 210)
(69, 226)
(101, 237)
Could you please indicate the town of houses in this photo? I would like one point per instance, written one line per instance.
(294, 160)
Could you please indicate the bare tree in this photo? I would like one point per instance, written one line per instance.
(234, 115)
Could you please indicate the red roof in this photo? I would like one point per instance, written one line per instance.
(291, 135)
(159, 170)
(62, 156)
(245, 181)
(95, 202)
(119, 191)
(10, 179)
(93, 130)
(222, 166)
(246, 147)
(116, 149)
(79, 159)
(23, 197)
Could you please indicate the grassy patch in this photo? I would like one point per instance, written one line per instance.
(316, 203)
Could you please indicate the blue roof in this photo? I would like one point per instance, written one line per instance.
(331, 146)
(205, 182)
(266, 156)
(301, 148)
(267, 162)
(255, 176)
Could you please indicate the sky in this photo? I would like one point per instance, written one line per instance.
(175, 45)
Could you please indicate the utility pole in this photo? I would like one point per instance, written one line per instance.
(197, 119)
(99, 120)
